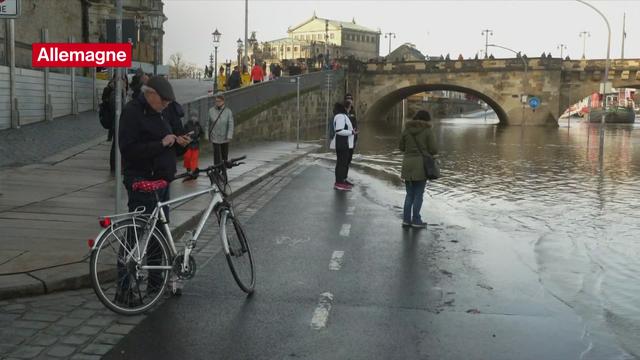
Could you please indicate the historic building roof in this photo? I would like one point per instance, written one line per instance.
(334, 25)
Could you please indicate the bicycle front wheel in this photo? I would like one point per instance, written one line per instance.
(237, 251)
(125, 281)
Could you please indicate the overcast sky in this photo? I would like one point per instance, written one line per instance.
(435, 27)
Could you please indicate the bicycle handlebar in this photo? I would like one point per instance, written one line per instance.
(226, 164)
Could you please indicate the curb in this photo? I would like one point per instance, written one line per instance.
(76, 275)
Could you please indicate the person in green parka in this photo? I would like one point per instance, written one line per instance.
(416, 133)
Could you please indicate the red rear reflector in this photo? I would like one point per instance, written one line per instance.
(91, 242)
(105, 223)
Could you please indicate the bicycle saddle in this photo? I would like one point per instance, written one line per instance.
(149, 185)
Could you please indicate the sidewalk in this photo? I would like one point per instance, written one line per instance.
(49, 210)
(33, 142)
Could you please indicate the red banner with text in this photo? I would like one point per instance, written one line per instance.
(81, 55)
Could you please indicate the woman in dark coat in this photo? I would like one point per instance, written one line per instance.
(417, 136)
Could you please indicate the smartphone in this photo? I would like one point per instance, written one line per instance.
(190, 133)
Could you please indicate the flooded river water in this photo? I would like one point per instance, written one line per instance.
(575, 216)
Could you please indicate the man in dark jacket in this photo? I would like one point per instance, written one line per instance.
(234, 79)
(151, 135)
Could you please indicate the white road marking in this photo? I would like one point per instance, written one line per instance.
(336, 260)
(321, 314)
(346, 229)
(351, 210)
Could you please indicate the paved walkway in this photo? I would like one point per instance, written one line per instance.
(49, 210)
(33, 142)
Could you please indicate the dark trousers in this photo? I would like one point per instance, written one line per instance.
(220, 153)
(413, 201)
(154, 254)
(342, 165)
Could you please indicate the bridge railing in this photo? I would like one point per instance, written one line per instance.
(253, 96)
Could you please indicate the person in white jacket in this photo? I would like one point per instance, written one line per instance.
(342, 142)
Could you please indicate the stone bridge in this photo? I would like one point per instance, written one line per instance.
(498, 82)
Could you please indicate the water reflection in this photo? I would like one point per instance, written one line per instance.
(548, 184)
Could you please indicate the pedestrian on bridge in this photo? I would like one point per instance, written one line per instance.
(235, 80)
(417, 138)
(257, 74)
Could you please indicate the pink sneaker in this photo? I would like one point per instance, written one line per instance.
(342, 187)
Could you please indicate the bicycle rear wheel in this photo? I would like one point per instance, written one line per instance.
(237, 251)
(119, 277)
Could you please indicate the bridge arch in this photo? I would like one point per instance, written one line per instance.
(385, 102)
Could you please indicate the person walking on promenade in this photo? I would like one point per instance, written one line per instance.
(192, 154)
(149, 143)
(222, 79)
(139, 79)
(235, 81)
(417, 137)
(342, 142)
(220, 129)
(351, 113)
(257, 75)
(246, 77)
(107, 115)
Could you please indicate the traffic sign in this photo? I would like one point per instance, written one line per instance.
(9, 9)
(534, 102)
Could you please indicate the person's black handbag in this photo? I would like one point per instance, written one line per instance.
(431, 167)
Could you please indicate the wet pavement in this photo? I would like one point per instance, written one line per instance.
(75, 325)
(338, 278)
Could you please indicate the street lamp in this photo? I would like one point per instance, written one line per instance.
(252, 43)
(216, 41)
(526, 77)
(155, 22)
(562, 47)
(239, 42)
(584, 35)
(486, 33)
(138, 21)
(389, 35)
(605, 80)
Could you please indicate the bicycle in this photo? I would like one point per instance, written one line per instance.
(134, 256)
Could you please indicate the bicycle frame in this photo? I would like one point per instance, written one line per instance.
(158, 214)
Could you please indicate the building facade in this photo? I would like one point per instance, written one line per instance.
(317, 36)
(81, 21)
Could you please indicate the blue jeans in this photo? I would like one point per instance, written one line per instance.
(413, 201)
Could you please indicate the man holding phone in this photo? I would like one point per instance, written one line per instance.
(151, 138)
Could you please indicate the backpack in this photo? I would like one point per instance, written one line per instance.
(105, 115)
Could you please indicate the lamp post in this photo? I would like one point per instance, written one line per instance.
(155, 21)
(526, 77)
(216, 41)
(584, 35)
(139, 22)
(210, 64)
(605, 80)
(239, 42)
(252, 44)
(389, 35)
(562, 47)
(486, 33)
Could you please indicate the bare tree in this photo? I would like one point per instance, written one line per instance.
(177, 65)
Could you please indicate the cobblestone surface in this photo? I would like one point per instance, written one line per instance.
(34, 142)
(75, 325)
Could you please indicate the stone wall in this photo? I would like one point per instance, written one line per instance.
(277, 119)
(63, 18)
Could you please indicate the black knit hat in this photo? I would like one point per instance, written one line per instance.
(162, 87)
(422, 115)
